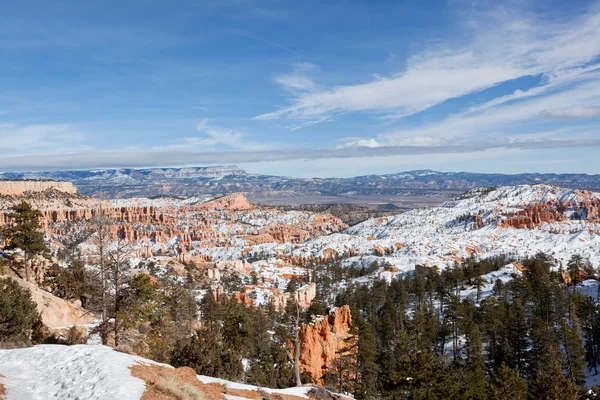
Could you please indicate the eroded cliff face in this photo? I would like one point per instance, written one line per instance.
(278, 298)
(173, 228)
(20, 187)
(322, 340)
(554, 211)
(55, 312)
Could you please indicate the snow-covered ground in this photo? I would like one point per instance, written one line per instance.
(86, 372)
(442, 235)
(69, 372)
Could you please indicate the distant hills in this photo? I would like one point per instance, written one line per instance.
(216, 181)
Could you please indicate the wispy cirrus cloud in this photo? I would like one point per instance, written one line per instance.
(39, 137)
(213, 135)
(215, 138)
(299, 80)
(504, 47)
(573, 112)
(168, 156)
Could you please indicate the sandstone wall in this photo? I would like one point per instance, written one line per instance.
(321, 341)
(54, 311)
(532, 216)
(19, 187)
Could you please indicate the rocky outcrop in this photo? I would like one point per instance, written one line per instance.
(587, 209)
(303, 296)
(279, 299)
(147, 214)
(19, 187)
(322, 340)
(532, 216)
(232, 202)
(55, 312)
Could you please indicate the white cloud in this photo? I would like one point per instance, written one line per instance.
(359, 142)
(573, 112)
(169, 156)
(507, 121)
(504, 45)
(298, 80)
(38, 137)
(214, 135)
(295, 82)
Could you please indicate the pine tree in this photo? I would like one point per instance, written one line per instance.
(475, 365)
(141, 301)
(367, 360)
(508, 385)
(575, 267)
(573, 352)
(119, 264)
(589, 314)
(18, 313)
(208, 354)
(548, 381)
(101, 239)
(518, 342)
(25, 233)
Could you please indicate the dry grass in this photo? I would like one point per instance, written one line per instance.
(180, 390)
(2, 389)
(164, 383)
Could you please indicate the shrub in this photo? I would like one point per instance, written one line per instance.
(76, 335)
(18, 313)
(178, 389)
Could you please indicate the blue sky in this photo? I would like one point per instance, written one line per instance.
(310, 88)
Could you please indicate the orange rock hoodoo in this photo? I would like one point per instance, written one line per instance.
(553, 211)
(172, 230)
(322, 340)
(279, 300)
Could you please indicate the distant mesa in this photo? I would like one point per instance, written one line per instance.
(19, 187)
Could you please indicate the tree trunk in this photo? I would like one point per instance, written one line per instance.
(102, 231)
(104, 299)
(297, 348)
(117, 291)
(26, 266)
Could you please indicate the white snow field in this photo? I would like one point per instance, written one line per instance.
(69, 372)
(90, 372)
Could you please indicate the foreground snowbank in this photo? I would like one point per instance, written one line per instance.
(69, 372)
(87, 372)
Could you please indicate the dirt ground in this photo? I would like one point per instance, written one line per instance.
(164, 383)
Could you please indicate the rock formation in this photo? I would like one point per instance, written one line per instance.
(19, 187)
(530, 217)
(55, 312)
(321, 341)
(303, 296)
(232, 202)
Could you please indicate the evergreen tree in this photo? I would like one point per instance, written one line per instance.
(573, 352)
(141, 301)
(25, 233)
(508, 385)
(475, 366)
(18, 313)
(366, 357)
(548, 381)
(517, 337)
(589, 314)
(207, 353)
(575, 268)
